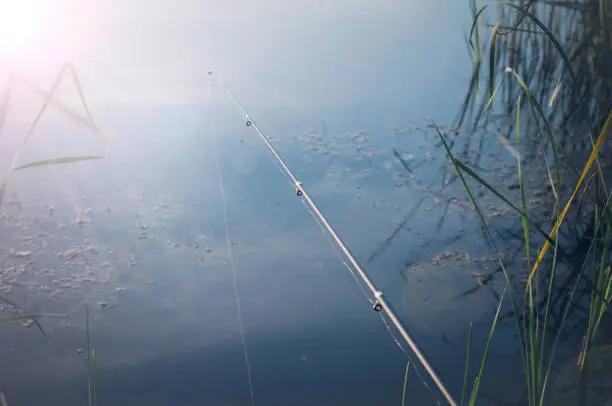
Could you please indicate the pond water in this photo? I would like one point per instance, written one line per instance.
(140, 234)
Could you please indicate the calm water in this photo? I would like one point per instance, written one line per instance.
(140, 234)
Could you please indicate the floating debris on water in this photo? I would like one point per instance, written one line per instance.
(69, 254)
(27, 323)
(20, 254)
(458, 257)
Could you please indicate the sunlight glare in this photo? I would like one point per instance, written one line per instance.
(23, 24)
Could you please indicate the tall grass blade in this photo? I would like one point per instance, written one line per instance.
(21, 317)
(522, 186)
(16, 306)
(490, 101)
(540, 113)
(524, 13)
(58, 161)
(91, 385)
(474, 31)
(93, 376)
(478, 379)
(405, 383)
(49, 100)
(41, 111)
(587, 168)
(467, 363)
(555, 94)
(492, 189)
(488, 236)
(494, 35)
(554, 347)
(78, 118)
(533, 332)
(477, 48)
(77, 83)
(547, 310)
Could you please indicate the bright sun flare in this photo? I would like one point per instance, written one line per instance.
(21, 25)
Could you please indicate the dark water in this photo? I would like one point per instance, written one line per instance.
(141, 236)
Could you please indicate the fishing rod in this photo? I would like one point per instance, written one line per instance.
(380, 303)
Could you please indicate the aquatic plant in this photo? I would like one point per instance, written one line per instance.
(48, 101)
(91, 361)
(522, 78)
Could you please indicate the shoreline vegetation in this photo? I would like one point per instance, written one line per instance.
(544, 66)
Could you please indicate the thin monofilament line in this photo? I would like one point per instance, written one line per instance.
(380, 300)
(228, 242)
(358, 282)
(256, 128)
(407, 354)
(335, 249)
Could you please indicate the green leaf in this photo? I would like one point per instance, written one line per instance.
(405, 383)
(21, 317)
(492, 189)
(16, 306)
(494, 36)
(58, 161)
(477, 381)
(467, 363)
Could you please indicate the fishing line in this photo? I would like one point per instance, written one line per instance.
(335, 249)
(228, 243)
(380, 303)
(278, 166)
(361, 288)
(407, 354)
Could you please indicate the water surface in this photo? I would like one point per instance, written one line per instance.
(141, 235)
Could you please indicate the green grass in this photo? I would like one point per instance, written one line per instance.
(91, 361)
(521, 80)
(404, 391)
